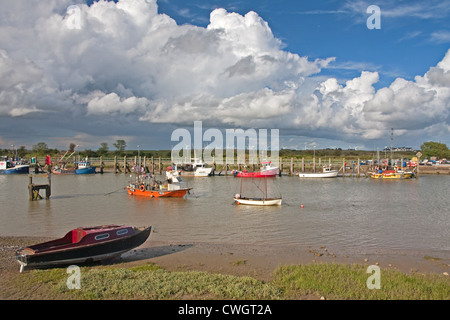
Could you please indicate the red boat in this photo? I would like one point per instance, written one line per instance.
(83, 245)
(267, 170)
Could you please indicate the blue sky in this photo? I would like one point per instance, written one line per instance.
(91, 72)
(414, 35)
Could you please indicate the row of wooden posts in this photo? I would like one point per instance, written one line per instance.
(158, 166)
(34, 189)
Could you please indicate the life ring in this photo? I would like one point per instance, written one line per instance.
(142, 187)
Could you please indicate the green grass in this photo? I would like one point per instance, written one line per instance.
(335, 281)
(152, 282)
(149, 281)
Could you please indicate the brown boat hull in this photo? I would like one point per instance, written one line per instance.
(80, 253)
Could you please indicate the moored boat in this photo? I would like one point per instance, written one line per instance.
(198, 168)
(258, 201)
(83, 245)
(10, 167)
(326, 173)
(391, 174)
(84, 167)
(147, 186)
(261, 189)
(267, 170)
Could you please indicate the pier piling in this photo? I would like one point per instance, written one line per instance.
(33, 189)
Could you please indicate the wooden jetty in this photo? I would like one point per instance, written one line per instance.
(33, 189)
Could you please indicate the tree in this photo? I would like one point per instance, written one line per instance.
(40, 147)
(120, 145)
(435, 149)
(103, 148)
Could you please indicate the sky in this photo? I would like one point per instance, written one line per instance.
(87, 72)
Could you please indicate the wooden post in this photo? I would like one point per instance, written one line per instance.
(153, 165)
(30, 189)
(125, 164)
(102, 165)
(292, 166)
(343, 167)
(145, 164)
(303, 164)
(48, 190)
(314, 164)
(281, 167)
(33, 189)
(358, 168)
(115, 164)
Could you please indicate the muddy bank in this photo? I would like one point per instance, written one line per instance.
(255, 261)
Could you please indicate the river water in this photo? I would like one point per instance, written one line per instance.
(339, 212)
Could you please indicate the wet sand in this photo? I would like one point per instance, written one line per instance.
(261, 261)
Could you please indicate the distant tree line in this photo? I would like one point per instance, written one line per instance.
(41, 149)
(428, 149)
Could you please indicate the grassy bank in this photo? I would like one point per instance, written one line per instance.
(332, 281)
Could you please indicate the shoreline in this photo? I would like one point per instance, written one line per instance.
(258, 261)
(255, 261)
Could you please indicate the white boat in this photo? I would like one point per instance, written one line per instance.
(203, 171)
(258, 201)
(326, 173)
(263, 199)
(11, 167)
(198, 167)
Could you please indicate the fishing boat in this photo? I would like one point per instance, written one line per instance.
(391, 174)
(260, 185)
(145, 185)
(62, 170)
(326, 173)
(198, 168)
(9, 167)
(82, 245)
(84, 167)
(267, 170)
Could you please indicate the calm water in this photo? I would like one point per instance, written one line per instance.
(341, 212)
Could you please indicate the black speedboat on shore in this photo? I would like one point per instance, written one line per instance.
(83, 245)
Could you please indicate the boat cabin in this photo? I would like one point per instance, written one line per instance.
(83, 164)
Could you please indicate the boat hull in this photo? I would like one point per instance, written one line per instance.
(257, 174)
(59, 171)
(21, 169)
(90, 170)
(327, 174)
(259, 202)
(203, 172)
(84, 253)
(318, 175)
(391, 175)
(178, 193)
